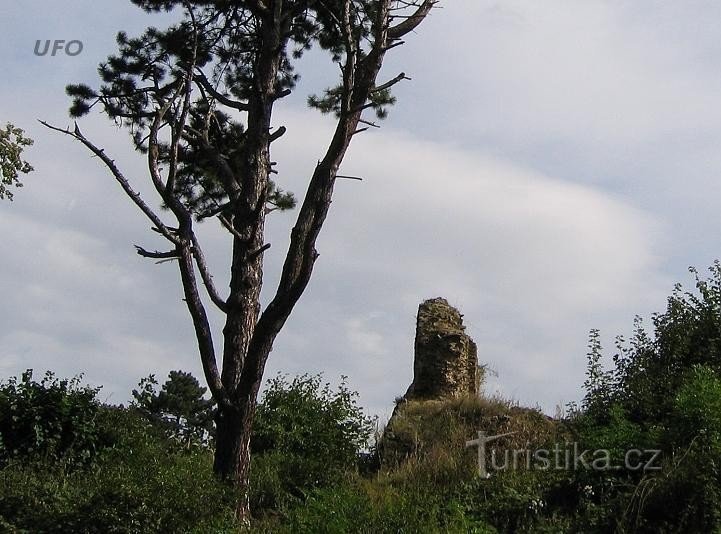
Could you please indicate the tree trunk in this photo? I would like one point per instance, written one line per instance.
(232, 456)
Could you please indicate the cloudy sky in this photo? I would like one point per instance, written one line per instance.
(553, 167)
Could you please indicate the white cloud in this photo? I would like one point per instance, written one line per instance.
(617, 95)
(534, 262)
(588, 73)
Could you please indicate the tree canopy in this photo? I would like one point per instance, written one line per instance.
(12, 144)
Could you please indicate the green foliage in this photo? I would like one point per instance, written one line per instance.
(361, 508)
(598, 384)
(331, 102)
(12, 144)
(686, 496)
(697, 409)
(199, 179)
(305, 435)
(179, 407)
(663, 392)
(520, 501)
(52, 419)
(221, 42)
(140, 482)
(649, 370)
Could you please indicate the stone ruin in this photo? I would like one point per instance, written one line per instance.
(446, 360)
(445, 366)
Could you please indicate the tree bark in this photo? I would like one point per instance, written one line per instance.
(232, 455)
(234, 422)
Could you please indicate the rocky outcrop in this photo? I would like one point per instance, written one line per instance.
(446, 361)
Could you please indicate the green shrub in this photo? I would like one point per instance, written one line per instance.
(140, 481)
(663, 392)
(697, 410)
(686, 494)
(305, 435)
(52, 419)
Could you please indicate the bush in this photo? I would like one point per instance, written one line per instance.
(663, 392)
(697, 410)
(139, 482)
(52, 419)
(305, 435)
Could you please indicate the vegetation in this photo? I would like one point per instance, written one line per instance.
(12, 144)
(70, 463)
(180, 407)
(306, 436)
(52, 420)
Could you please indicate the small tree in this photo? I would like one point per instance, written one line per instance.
(12, 143)
(180, 406)
(198, 99)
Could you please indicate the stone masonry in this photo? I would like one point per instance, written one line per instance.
(446, 361)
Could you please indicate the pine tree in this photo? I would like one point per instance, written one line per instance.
(198, 99)
(180, 406)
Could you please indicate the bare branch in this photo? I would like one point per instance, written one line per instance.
(280, 132)
(369, 123)
(393, 45)
(412, 22)
(178, 128)
(207, 277)
(228, 226)
(120, 178)
(214, 211)
(157, 255)
(282, 94)
(203, 81)
(259, 251)
(390, 83)
(203, 332)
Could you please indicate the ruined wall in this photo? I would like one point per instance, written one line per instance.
(446, 361)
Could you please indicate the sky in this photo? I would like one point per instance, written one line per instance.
(552, 167)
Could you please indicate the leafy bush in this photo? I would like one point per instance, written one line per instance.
(649, 370)
(140, 482)
(697, 409)
(663, 392)
(306, 435)
(52, 419)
